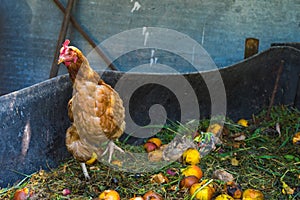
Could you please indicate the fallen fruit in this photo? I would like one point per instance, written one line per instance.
(159, 178)
(296, 139)
(243, 122)
(192, 170)
(191, 156)
(188, 181)
(21, 194)
(66, 192)
(252, 194)
(209, 183)
(172, 171)
(205, 193)
(233, 189)
(155, 141)
(109, 195)
(149, 146)
(216, 129)
(150, 195)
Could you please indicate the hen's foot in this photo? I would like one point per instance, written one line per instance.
(85, 172)
(111, 147)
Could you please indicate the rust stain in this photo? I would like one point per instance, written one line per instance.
(26, 139)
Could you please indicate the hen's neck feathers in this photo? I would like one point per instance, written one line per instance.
(81, 70)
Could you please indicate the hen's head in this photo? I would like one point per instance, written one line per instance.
(68, 54)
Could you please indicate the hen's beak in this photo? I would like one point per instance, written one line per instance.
(60, 60)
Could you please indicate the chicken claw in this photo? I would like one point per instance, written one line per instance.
(111, 146)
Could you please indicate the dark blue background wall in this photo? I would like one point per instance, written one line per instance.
(29, 29)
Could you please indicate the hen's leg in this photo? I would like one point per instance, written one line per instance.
(85, 172)
(111, 146)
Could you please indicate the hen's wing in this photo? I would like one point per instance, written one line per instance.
(98, 112)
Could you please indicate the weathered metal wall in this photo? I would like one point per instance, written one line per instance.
(29, 29)
(33, 120)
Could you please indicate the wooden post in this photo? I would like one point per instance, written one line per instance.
(61, 37)
(251, 47)
(87, 37)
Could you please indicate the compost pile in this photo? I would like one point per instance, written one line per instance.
(256, 153)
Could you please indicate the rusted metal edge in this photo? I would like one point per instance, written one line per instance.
(279, 72)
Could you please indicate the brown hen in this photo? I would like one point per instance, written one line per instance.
(95, 110)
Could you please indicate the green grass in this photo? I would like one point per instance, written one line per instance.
(266, 159)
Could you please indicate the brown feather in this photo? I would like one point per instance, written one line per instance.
(95, 109)
(80, 150)
(70, 113)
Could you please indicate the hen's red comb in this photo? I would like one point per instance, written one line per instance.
(66, 43)
(65, 47)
